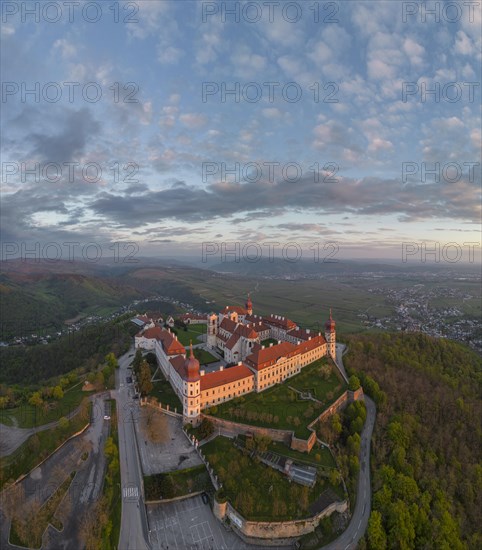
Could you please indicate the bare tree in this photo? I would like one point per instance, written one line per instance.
(155, 426)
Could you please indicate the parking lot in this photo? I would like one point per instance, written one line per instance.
(190, 525)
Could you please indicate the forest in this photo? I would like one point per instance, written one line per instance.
(86, 348)
(427, 474)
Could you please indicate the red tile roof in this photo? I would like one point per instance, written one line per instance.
(226, 376)
(238, 309)
(262, 358)
(233, 341)
(223, 338)
(247, 331)
(193, 316)
(178, 364)
(315, 342)
(151, 333)
(302, 334)
(170, 343)
(279, 321)
(227, 324)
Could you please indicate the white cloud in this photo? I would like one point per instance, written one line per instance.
(414, 51)
(66, 48)
(463, 44)
(193, 120)
(169, 55)
(271, 112)
(150, 16)
(378, 144)
(246, 63)
(6, 30)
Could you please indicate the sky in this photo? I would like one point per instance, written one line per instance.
(172, 129)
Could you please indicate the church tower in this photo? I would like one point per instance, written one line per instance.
(249, 305)
(192, 389)
(212, 330)
(330, 337)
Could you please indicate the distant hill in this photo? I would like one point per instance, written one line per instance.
(35, 301)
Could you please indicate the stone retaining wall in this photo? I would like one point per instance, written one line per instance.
(281, 529)
(287, 436)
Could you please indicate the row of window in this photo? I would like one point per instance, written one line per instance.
(227, 397)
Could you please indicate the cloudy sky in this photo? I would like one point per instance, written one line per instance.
(172, 124)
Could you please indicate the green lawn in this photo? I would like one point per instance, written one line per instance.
(204, 357)
(178, 483)
(257, 491)
(269, 341)
(28, 416)
(192, 333)
(39, 446)
(311, 380)
(282, 408)
(164, 393)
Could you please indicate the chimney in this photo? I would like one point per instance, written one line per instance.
(307, 331)
(202, 373)
(221, 368)
(240, 363)
(279, 341)
(309, 338)
(262, 347)
(271, 344)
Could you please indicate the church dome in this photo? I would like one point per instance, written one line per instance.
(192, 367)
(330, 324)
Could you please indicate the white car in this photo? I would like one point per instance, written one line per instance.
(106, 417)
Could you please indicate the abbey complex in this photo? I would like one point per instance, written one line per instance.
(237, 334)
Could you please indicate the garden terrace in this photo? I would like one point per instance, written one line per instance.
(283, 408)
(258, 492)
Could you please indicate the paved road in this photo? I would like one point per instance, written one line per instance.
(134, 527)
(11, 437)
(84, 490)
(359, 521)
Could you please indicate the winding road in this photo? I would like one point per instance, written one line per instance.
(348, 540)
(11, 437)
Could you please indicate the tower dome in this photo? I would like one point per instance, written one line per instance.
(330, 324)
(192, 367)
